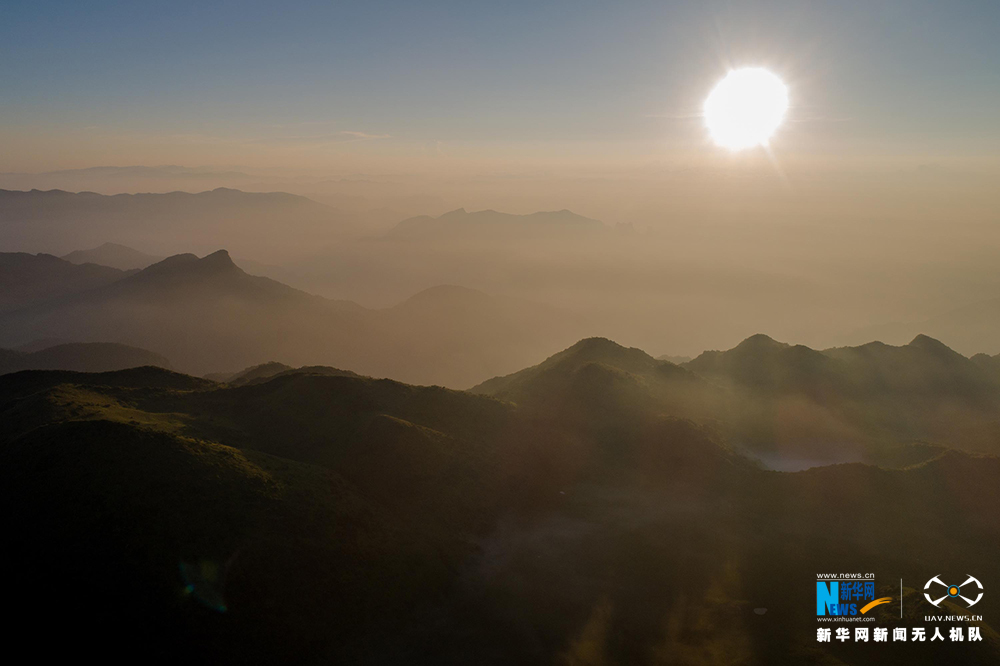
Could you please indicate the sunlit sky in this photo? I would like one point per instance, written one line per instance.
(331, 84)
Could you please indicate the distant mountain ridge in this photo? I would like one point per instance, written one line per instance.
(858, 399)
(883, 404)
(81, 357)
(208, 315)
(29, 279)
(114, 255)
(125, 178)
(251, 221)
(762, 363)
(970, 329)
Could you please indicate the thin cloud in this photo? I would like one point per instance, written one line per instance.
(364, 135)
(335, 137)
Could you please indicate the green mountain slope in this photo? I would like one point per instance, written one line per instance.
(313, 517)
(202, 551)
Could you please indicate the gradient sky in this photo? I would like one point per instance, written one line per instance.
(378, 83)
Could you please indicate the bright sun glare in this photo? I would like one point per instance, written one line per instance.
(745, 108)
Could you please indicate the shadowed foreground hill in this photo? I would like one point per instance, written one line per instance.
(253, 373)
(317, 518)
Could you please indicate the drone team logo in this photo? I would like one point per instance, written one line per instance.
(846, 599)
(969, 587)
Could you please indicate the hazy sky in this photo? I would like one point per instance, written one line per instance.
(415, 85)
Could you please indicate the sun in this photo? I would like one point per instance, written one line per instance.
(745, 108)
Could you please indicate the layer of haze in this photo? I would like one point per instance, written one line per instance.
(875, 206)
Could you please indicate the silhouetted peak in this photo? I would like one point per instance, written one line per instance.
(603, 350)
(446, 294)
(763, 362)
(114, 255)
(986, 361)
(760, 342)
(596, 345)
(564, 215)
(173, 261)
(929, 344)
(217, 263)
(262, 371)
(873, 347)
(113, 246)
(596, 363)
(219, 259)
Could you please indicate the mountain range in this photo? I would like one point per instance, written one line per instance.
(970, 329)
(646, 286)
(579, 517)
(674, 286)
(874, 402)
(126, 179)
(29, 278)
(207, 315)
(80, 357)
(486, 249)
(788, 405)
(114, 255)
(63, 222)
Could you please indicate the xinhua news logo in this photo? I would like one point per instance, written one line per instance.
(845, 597)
